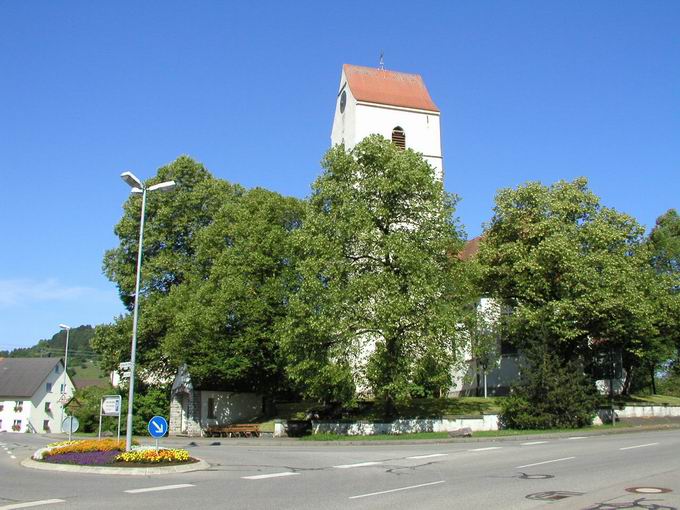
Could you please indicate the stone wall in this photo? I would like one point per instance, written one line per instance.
(190, 424)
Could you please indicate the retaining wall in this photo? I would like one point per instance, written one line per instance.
(450, 424)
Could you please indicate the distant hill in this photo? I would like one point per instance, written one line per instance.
(79, 350)
(82, 360)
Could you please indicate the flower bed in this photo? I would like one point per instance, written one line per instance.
(109, 452)
(154, 457)
(84, 458)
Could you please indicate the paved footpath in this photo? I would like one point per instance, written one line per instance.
(557, 472)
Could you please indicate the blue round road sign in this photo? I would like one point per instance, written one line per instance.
(157, 426)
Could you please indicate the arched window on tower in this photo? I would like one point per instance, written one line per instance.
(399, 137)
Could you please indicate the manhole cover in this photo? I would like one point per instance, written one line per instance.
(553, 495)
(648, 490)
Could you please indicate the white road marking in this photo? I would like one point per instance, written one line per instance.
(544, 462)
(396, 490)
(270, 475)
(428, 456)
(359, 464)
(160, 488)
(534, 442)
(32, 503)
(12, 457)
(485, 449)
(638, 446)
(576, 437)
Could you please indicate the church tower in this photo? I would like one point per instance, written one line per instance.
(394, 105)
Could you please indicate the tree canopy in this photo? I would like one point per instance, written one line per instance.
(376, 299)
(216, 272)
(574, 272)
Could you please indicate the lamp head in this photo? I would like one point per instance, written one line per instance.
(132, 180)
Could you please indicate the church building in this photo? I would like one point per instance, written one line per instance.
(395, 105)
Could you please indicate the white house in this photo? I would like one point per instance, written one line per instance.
(395, 105)
(32, 393)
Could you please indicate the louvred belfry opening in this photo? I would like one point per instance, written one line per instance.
(399, 137)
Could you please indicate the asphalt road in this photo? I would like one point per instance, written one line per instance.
(586, 472)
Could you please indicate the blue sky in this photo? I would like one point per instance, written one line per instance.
(528, 91)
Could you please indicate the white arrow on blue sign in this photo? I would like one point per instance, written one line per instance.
(157, 427)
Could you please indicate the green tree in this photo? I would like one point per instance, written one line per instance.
(173, 223)
(571, 270)
(664, 243)
(228, 315)
(218, 268)
(376, 296)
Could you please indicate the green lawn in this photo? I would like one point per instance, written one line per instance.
(650, 399)
(88, 370)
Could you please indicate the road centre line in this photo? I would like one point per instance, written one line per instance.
(544, 462)
(160, 488)
(396, 490)
(638, 446)
(359, 464)
(270, 475)
(534, 442)
(428, 456)
(576, 437)
(485, 449)
(32, 504)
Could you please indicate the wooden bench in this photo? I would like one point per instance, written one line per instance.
(234, 430)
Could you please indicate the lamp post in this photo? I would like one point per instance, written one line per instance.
(138, 187)
(63, 386)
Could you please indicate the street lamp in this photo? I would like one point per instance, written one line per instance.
(63, 386)
(138, 187)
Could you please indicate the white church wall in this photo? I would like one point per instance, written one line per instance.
(421, 128)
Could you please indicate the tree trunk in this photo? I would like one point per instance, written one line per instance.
(653, 369)
(627, 381)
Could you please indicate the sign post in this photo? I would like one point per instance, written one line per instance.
(110, 405)
(70, 424)
(157, 427)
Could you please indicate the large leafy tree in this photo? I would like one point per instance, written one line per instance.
(664, 244)
(375, 301)
(227, 316)
(574, 273)
(173, 222)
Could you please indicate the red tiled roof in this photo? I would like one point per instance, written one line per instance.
(471, 249)
(388, 87)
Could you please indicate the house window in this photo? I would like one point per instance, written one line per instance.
(56, 369)
(46, 425)
(16, 426)
(1, 407)
(399, 137)
(48, 387)
(211, 408)
(47, 407)
(63, 388)
(18, 406)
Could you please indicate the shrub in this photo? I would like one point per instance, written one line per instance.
(154, 457)
(553, 395)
